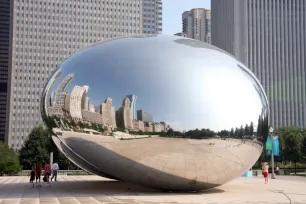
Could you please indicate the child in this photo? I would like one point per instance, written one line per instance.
(33, 175)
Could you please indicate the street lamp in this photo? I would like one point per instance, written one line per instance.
(272, 154)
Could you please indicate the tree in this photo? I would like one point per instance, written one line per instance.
(241, 132)
(251, 129)
(9, 163)
(35, 149)
(247, 130)
(236, 132)
(292, 150)
(232, 133)
(303, 148)
(81, 125)
(170, 132)
(283, 133)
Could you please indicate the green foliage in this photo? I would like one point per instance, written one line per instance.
(303, 148)
(251, 129)
(292, 144)
(292, 150)
(9, 163)
(35, 149)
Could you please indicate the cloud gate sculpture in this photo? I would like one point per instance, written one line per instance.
(165, 112)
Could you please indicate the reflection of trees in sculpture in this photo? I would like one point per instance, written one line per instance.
(246, 131)
(263, 128)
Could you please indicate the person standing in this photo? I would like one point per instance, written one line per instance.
(277, 170)
(54, 169)
(265, 169)
(32, 178)
(47, 172)
(38, 173)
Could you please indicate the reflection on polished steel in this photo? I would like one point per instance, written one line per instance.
(198, 121)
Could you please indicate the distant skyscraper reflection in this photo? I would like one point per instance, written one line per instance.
(133, 99)
(144, 116)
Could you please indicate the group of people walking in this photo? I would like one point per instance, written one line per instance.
(48, 171)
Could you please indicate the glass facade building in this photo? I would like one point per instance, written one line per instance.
(4, 62)
(269, 37)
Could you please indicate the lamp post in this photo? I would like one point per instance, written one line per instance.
(272, 154)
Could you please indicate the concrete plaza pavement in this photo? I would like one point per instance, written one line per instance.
(96, 190)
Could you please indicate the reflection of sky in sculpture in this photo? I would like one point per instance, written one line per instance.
(184, 86)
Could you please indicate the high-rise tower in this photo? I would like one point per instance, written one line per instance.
(133, 100)
(196, 24)
(269, 37)
(5, 28)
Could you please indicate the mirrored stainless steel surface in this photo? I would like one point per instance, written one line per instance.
(162, 111)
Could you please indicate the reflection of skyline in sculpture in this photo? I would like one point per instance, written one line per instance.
(133, 100)
(77, 106)
(60, 92)
(124, 115)
(77, 101)
(108, 113)
(187, 117)
(144, 116)
(49, 96)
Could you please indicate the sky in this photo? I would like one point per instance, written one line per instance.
(172, 13)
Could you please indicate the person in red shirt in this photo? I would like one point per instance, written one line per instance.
(47, 172)
(38, 172)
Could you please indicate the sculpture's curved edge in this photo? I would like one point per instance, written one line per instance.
(77, 160)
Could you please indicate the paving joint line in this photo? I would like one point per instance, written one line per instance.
(281, 192)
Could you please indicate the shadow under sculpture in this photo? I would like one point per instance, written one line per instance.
(161, 111)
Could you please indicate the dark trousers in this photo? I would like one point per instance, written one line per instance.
(54, 175)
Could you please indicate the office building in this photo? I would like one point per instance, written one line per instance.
(148, 127)
(92, 117)
(77, 101)
(92, 109)
(67, 102)
(60, 92)
(196, 24)
(152, 16)
(269, 37)
(86, 103)
(4, 62)
(144, 116)
(108, 113)
(124, 115)
(133, 100)
(157, 127)
(138, 125)
(42, 33)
